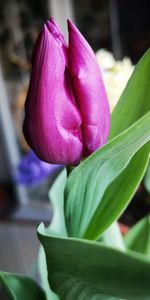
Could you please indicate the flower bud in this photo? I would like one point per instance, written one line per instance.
(66, 111)
(52, 125)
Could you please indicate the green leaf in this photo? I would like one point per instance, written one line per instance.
(112, 237)
(132, 105)
(81, 269)
(138, 237)
(147, 179)
(20, 287)
(120, 192)
(87, 184)
(56, 196)
(135, 99)
(57, 227)
(42, 268)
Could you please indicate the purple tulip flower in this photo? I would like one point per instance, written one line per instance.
(66, 113)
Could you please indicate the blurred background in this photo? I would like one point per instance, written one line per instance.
(122, 28)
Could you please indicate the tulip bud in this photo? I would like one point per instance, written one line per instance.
(66, 111)
(52, 125)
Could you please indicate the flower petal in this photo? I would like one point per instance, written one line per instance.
(89, 90)
(52, 119)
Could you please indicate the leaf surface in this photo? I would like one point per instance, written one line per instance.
(135, 99)
(138, 237)
(57, 227)
(86, 186)
(21, 287)
(81, 269)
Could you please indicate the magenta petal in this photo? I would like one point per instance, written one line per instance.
(56, 31)
(52, 120)
(89, 90)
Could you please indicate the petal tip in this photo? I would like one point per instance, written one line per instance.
(71, 25)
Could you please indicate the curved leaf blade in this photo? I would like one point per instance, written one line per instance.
(119, 193)
(57, 226)
(87, 184)
(81, 269)
(134, 101)
(21, 287)
(147, 179)
(138, 237)
(132, 105)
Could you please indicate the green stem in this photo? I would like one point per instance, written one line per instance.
(69, 169)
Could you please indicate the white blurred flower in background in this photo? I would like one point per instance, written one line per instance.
(115, 74)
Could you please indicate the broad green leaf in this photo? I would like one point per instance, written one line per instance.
(57, 226)
(89, 181)
(120, 192)
(81, 269)
(42, 268)
(138, 237)
(20, 287)
(135, 99)
(133, 104)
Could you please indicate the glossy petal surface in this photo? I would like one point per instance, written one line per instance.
(67, 112)
(89, 90)
(52, 120)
